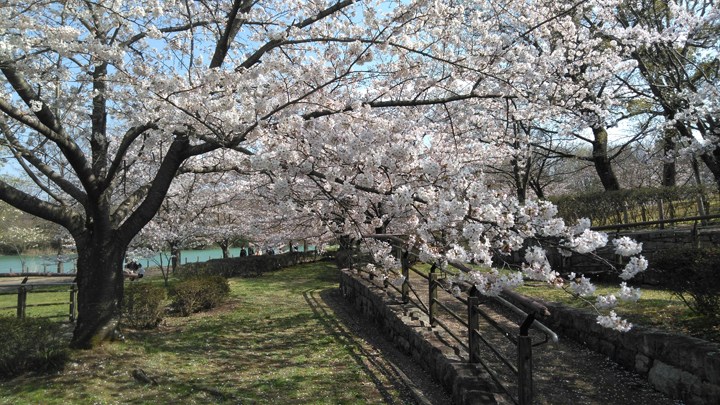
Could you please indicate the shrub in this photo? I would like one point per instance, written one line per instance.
(692, 272)
(216, 291)
(142, 307)
(197, 294)
(30, 344)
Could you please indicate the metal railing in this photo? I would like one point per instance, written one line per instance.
(522, 370)
(22, 297)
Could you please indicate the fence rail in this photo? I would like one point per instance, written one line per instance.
(703, 220)
(22, 296)
(522, 370)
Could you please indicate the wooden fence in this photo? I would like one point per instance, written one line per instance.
(650, 206)
(521, 368)
(22, 298)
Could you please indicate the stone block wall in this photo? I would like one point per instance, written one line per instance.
(408, 328)
(682, 367)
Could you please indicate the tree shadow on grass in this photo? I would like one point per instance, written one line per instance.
(370, 360)
(302, 355)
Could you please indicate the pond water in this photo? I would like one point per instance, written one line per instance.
(38, 264)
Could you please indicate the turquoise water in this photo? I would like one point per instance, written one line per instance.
(36, 264)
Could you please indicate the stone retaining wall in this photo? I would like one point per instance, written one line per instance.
(408, 328)
(682, 367)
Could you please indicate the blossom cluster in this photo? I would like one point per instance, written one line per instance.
(612, 321)
(315, 125)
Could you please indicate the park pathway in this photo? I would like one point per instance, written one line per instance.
(569, 374)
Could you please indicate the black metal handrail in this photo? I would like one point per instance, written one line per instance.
(523, 370)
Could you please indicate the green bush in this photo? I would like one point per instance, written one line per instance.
(217, 290)
(693, 274)
(142, 305)
(197, 294)
(30, 344)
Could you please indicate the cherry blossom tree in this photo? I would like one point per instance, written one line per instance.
(674, 45)
(354, 117)
(108, 100)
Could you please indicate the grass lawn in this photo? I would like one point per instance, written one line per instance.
(275, 341)
(60, 295)
(656, 308)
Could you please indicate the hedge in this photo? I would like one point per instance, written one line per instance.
(142, 305)
(197, 294)
(248, 266)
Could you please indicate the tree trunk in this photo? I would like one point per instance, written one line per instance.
(711, 161)
(520, 179)
(601, 160)
(669, 170)
(175, 255)
(225, 247)
(100, 291)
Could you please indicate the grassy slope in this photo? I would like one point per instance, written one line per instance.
(656, 308)
(275, 342)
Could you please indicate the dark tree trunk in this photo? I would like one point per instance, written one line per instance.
(346, 243)
(601, 160)
(176, 256)
(100, 291)
(225, 247)
(537, 188)
(520, 178)
(669, 170)
(711, 161)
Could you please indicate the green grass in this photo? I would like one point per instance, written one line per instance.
(276, 341)
(57, 294)
(656, 308)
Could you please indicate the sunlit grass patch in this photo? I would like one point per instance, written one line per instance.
(60, 296)
(656, 308)
(275, 341)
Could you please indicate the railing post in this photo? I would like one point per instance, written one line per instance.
(406, 274)
(73, 297)
(525, 383)
(22, 301)
(473, 324)
(661, 214)
(525, 370)
(695, 233)
(701, 209)
(432, 293)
